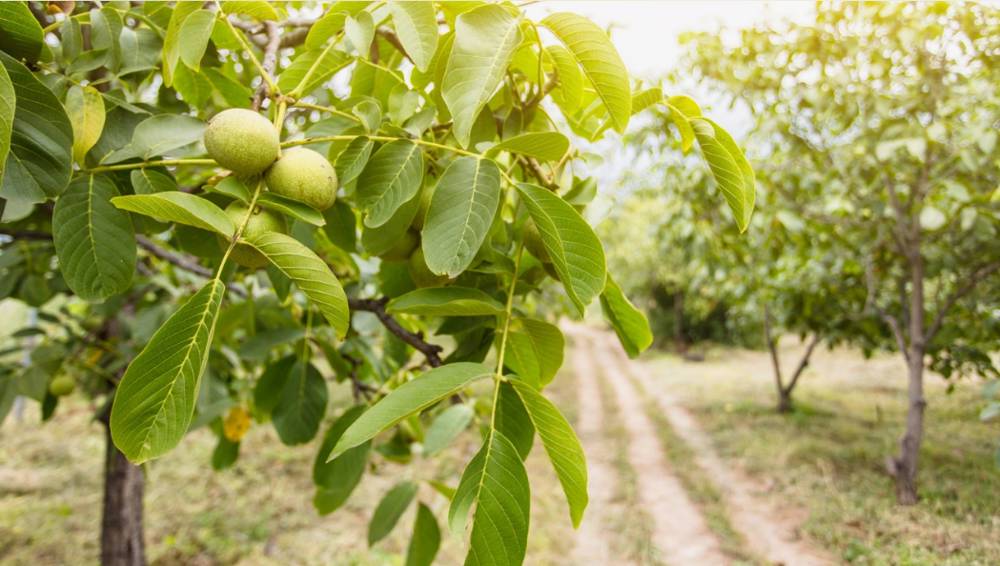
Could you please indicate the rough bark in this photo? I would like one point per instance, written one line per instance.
(122, 541)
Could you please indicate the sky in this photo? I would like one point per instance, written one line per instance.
(646, 32)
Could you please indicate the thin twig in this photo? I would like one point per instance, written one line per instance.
(377, 307)
(183, 261)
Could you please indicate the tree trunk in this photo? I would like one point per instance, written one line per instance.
(785, 404)
(904, 466)
(122, 542)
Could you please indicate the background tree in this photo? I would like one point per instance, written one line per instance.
(892, 111)
(182, 290)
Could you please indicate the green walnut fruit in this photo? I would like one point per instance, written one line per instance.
(261, 221)
(303, 175)
(425, 204)
(401, 250)
(421, 274)
(533, 241)
(62, 385)
(242, 141)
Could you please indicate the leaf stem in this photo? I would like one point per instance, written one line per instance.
(508, 314)
(239, 230)
(154, 163)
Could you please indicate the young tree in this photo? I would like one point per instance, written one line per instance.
(385, 188)
(891, 109)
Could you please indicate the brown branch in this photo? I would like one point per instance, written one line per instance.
(893, 322)
(803, 363)
(270, 61)
(185, 262)
(535, 169)
(388, 35)
(970, 283)
(414, 339)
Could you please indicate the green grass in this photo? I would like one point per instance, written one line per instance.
(828, 456)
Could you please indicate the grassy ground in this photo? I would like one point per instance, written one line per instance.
(828, 457)
(258, 513)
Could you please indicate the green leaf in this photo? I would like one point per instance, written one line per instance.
(535, 350)
(683, 127)
(180, 207)
(332, 23)
(40, 159)
(292, 207)
(547, 146)
(629, 323)
(417, 28)
(485, 40)
(460, 215)
(155, 399)
(310, 273)
(377, 241)
(342, 474)
(389, 510)
(360, 31)
(193, 37)
(353, 159)
(94, 240)
(497, 483)
(594, 51)
(446, 428)
(446, 301)
(140, 50)
(310, 69)
(513, 421)
(148, 180)
(7, 104)
(576, 251)
(730, 168)
(258, 10)
(562, 446)
(85, 109)
(341, 226)
(20, 34)
(172, 40)
(159, 134)
(301, 406)
(685, 105)
(268, 389)
(426, 539)
(569, 94)
(411, 397)
(392, 177)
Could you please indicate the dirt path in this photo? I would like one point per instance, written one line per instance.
(679, 530)
(770, 533)
(592, 546)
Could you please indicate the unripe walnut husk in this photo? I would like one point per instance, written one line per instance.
(242, 141)
(303, 175)
(403, 247)
(61, 386)
(261, 221)
(421, 274)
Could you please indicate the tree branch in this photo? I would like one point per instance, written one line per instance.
(185, 262)
(872, 304)
(270, 61)
(803, 363)
(970, 283)
(377, 307)
(389, 36)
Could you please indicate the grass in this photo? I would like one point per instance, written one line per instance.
(828, 456)
(259, 512)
